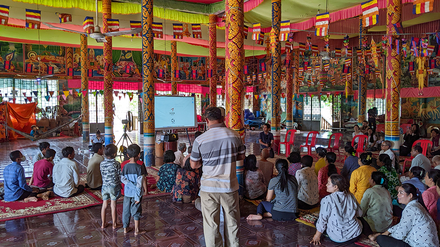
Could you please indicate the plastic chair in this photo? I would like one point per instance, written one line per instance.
(312, 144)
(288, 142)
(424, 144)
(334, 145)
(361, 144)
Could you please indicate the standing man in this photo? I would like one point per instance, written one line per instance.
(218, 149)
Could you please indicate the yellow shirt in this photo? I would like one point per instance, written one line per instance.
(319, 164)
(360, 181)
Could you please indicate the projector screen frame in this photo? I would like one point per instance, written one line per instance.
(180, 127)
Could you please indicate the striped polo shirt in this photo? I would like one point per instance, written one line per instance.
(218, 150)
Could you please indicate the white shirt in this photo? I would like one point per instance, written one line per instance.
(179, 158)
(307, 185)
(65, 178)
(390, 153)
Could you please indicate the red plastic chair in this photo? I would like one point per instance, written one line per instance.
(361, 143)
(334, 145)
(424, 144)
(288, 141)
(313, 135)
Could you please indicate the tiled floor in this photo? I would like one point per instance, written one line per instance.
(167, 223)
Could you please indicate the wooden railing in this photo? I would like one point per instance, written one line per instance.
(325, 125)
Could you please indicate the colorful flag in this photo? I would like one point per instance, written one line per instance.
(7, 65)
(302, 48)
(90, 73)
(245, 31)
(246, 71)
(263, 67)
(69, 71)
(177, 74)
(432, 63)
(33, 19)
(209, 73)
(284, 30)
(194, 74)
(127, 69)
(414, 45)
(256, 31)
(261, 39)
(178, 30)
(29, 68)
(288, 45)
(422, 6)
(338, 52)
(49, 70)
(370, 13)
(315, 50)
(136, 24)
(430, 50)
(160, 74)
(326, 65)
(158, 30)
(321, 24)
(65, 17)
(113, 25)
(398, 28)
(411, 67)
(4, 14)
(197, 31)
(88, 24)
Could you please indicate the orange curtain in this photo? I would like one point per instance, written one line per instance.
(21, 117)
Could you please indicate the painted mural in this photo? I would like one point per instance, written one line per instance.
(162, 62)
(427, 109)
(43, 56)
(127, 63)
(11, 57)
(69, 105)
(192, 68)
(298, 107)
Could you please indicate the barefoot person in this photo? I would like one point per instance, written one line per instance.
(111, 183)
(16, 188)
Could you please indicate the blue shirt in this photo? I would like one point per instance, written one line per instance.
(132, 172)
(32, 133)
(417, 183)
(350, 164)
(15, 182)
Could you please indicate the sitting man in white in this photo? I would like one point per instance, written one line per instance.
(420, 159)
(386, 149)
(179, 154)
(66, 176)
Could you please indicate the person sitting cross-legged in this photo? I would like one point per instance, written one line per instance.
(66, 176)
(42, 174)
(15, 185)
(186, 188)
(167, 172)
(94, 178)
(265, 166)
(325, 172)
(420, 159)
(255, 185)
(43, 146)
(308, 193)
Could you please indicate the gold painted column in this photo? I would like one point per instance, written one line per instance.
(148, 81)
(362, 88)
(108, 74)
(276, 70)
(213, 59)
(349, 82)
(392, 114)
(69, 60)
(174, 67)
(84, 89)
(289, 89)
(296, 82)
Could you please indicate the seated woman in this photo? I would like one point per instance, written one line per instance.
(321, 152)
(409, 138)
(360, 178)
(376, 205)
(338, 214)
(416, 175)
(97, 138)
(295, 162)
(372, 140)
(386, 167)
(308, 194)
(186, 187)
(255, 186)
(357, 131)
(167, 172)
(435, 137)
(285, 205)
(430, 196)
(416, 227)
(351, 162)
(326, 172)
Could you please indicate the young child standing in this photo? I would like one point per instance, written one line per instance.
(111, 184)
(133, 179)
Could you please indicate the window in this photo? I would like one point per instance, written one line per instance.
(379, 103)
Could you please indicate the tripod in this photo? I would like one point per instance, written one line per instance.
(124, 138)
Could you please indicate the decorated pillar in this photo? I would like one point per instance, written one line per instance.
(84, 89)
(174, 67)
(296, 82)
(392, 115)
(276, 69)
(289, 89)
(234, 63)
(108, 74)
(349, 80)
(69, 61)
(362, 89)
(213, 60)
(148, 81)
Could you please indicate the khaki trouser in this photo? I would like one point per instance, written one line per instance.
(211, 204)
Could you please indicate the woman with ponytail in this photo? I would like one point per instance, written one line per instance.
(376, 205)
(360, 178)
(386, 167)
(285, 205)
(338, 214)
(416, 227)
(416, 175)
(351, 162)
(325, 172)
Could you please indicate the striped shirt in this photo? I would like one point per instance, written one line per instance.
(218, 150)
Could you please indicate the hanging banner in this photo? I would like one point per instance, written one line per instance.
(197, 31)
(370, 13)
(65, 17)
(136, 24)
(4, 14)
(88, 24)
(113, 25)
(284, 30)
(158, 30)
(321, 24)
(256, 31)
(422, 6)
(178, 30)
(33, 19)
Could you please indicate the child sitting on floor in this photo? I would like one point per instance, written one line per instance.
(167, 172)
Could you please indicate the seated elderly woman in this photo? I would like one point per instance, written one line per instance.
(167, 172)
(416, 227)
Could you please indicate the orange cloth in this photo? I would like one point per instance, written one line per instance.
(21, 117)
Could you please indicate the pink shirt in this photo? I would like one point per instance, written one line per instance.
(430, 198)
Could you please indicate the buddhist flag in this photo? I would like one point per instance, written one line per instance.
(88, 24)
(177, 74)
(422, 6)
(370, 13)
(158, 30)
(136, 24)
(49, 70)
(33, 19)
(197, 31)
(90, 73)
(65, 17)
(338, 52)
(178, 30)
(315, 50)
(284, 30)
(69, 71)
(113, 25)
(29, 68)
(260, 41)
(302, 48)
(263, 67)
(256, 31)
(245, 31)
(321, 24)
(4, 14)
